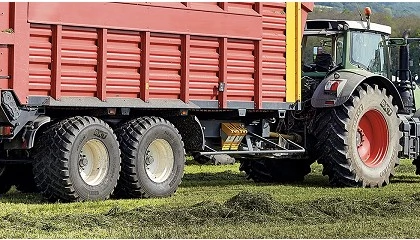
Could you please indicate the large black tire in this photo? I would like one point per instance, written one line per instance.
(24, 178)
(276, 170)
(5, 179)
(153, 158)
(77, 159)
(359, 141)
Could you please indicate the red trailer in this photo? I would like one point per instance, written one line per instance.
(95, 94)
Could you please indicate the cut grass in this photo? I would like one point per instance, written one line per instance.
(218, 202)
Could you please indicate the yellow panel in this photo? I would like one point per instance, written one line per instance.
(232, 135)
(293, 51)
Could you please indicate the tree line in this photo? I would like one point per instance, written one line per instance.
(396, 9)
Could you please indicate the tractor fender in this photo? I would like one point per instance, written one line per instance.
(350, 79)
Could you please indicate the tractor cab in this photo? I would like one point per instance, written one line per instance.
(330, 45)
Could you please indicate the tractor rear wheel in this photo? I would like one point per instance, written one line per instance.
(359, 140)
(275, 170)
(153, 158)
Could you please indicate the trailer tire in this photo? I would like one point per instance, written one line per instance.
(359, 140)
(153, 158)
(25, 182)
(77, 159)
(5, 179)
(275, 170)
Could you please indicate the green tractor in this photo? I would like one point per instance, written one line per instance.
(366, 118)
(357, 117)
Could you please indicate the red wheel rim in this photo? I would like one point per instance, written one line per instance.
(372, 138)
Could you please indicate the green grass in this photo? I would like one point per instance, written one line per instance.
(218, 202)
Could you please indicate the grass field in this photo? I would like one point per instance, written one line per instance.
(218, 202)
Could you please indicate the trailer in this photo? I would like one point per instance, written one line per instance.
(97, 97)
(101, 99)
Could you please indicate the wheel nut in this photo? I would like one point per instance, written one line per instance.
(148, 160)
(83, 162)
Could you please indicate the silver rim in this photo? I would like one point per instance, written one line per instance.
(93, 162)
(159, 160)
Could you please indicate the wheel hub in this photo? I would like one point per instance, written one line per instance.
(149, 159)
(372, 138)
(83, 162)
(93, 162)
(159, 160)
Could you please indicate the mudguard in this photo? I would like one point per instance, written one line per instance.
(350, 79)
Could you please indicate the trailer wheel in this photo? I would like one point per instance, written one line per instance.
(275, 170)
(153, 158)
(25, 181)
(359, 141)
(77, 159)
(5, 179)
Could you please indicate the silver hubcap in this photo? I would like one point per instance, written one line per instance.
(159, 160)
(93, 162)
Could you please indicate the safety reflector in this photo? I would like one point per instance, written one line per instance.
(330, 102)
(6, 130)
(232, 135)
(334, 86)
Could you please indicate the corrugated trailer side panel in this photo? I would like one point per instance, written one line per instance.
(240, 70)
(165, 66)
(204, 68)
(79, 61)
(274, 52)
(40, 58)
(5, 49)
(14, 46)
(218, 53)
(123, 51)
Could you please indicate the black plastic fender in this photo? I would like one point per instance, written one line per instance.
(351, 79)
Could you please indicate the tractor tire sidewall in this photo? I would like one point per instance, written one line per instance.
(168, 186)
(106, 187)
(381, 103)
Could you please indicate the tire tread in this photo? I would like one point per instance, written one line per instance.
(52, 153)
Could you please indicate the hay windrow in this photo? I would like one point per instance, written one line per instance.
(259, 207)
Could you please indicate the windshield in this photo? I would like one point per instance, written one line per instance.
(367, 51)
(321, 52)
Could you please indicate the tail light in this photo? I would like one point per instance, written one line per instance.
(6, 130)
(334, 87)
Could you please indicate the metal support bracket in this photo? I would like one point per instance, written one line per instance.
(289, 148)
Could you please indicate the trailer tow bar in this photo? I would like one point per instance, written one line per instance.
(255, 151)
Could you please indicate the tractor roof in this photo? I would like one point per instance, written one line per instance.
(318, 25)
